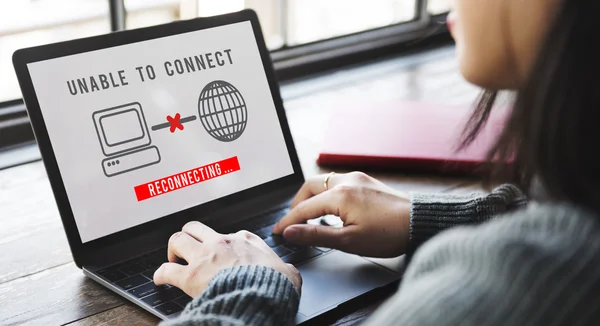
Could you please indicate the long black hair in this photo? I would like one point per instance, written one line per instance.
(554, 128)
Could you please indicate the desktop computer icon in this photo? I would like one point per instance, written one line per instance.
(124, 138)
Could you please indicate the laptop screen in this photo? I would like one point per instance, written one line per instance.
(147, 129)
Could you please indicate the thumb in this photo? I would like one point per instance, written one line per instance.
(316, 235)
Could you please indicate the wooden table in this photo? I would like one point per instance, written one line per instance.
(39, 284)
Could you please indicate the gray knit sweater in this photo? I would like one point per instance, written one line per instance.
(537, 265)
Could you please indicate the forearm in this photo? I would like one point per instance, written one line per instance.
(433, 213)
(243, 295)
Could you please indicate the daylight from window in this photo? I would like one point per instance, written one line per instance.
(25, 23)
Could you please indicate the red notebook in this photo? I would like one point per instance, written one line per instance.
(406, 136)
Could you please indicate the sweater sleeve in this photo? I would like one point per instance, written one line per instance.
(537, 266)
(243, 295)
(432, 213)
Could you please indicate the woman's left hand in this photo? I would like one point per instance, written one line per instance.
(208, 252)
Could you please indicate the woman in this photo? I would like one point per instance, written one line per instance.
(534, 264)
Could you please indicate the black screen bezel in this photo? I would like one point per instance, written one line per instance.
(23, 57)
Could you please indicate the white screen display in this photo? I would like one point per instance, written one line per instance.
(147, 129)
(122, 128)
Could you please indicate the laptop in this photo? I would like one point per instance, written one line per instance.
(144, 130)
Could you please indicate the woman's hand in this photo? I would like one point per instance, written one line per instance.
(376, 218)
(208, 252)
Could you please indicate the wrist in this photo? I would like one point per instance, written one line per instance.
(402, 220)
(248, 278)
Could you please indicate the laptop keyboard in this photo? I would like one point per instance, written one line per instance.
(135, 276)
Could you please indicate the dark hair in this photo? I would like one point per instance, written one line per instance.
(555, 121)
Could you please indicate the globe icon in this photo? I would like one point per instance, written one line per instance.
(222, 111)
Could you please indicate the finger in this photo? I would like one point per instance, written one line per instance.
(182, 245)
(314, 186)
(170, 273)
(247, 235)
(317, 235)
(317, 206)
(200, 231)
(307, 190)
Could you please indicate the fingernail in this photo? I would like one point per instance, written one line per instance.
(275, 229)
(175, 235)
(155, 273)
(291, 232)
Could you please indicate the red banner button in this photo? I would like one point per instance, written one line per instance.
(186, 178)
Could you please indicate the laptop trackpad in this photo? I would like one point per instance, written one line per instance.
(336, 278)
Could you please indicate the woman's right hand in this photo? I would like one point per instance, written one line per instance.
(376, 217)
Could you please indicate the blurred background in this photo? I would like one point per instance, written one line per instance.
(306, 39)
(287, 24)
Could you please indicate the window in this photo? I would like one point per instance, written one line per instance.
(340, 17)
(300, 33)
(285, 22)
(142, 13)
(436, 7)
(25, 23)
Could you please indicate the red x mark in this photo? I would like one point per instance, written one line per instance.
(175, 123)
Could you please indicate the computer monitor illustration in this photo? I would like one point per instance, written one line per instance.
(124, 139)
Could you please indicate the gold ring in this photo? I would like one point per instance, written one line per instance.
(326, 181)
